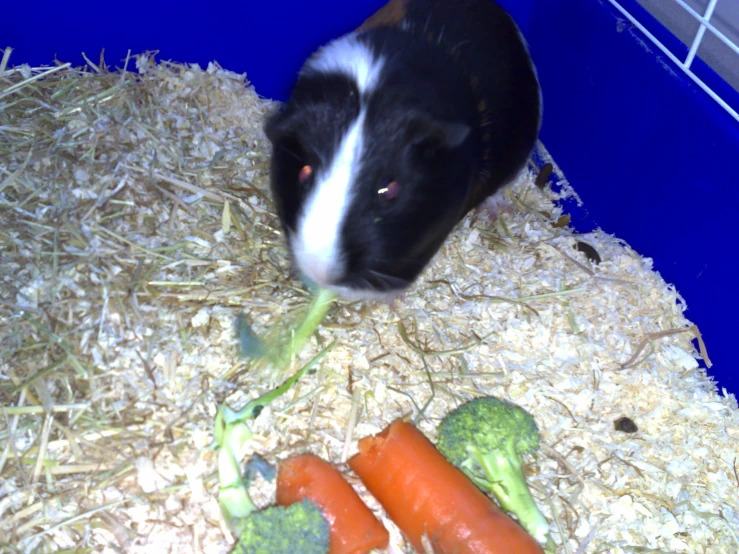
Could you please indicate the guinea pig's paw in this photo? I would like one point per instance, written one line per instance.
(495, 205)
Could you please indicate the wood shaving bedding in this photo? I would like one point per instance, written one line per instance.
(137, 224)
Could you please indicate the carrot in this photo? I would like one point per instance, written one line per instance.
(424, 494)
(354, 528)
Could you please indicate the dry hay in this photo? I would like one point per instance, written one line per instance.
(137, 225)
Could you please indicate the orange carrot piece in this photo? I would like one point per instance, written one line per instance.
(354, 528)
(424, 494)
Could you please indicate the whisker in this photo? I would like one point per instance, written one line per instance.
(384, 261)
(441, 35)
(288, 151)
(388, 279)
(464, 42)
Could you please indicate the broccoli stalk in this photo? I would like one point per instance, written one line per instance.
(230, 439)
(285, 340)
(230, 436)
(275, 529)
(505, 479)
(486, 438)
(299, 527)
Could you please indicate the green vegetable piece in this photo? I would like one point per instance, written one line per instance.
(231, 431)
(297, 528)
(233, 494)
(486, 438)
(251, 345)
(297, 337)
(285, 341)
(230, 435)
(254, 407)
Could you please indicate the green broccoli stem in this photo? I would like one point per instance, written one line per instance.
(233, 494)
(505, 479)
(231, 431)
(230, 436)
(317, 311)
(254, 407)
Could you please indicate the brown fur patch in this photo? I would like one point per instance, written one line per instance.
(390, 14)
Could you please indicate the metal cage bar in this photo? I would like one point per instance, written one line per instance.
(701, 31)
(705, 24)
(704, 21)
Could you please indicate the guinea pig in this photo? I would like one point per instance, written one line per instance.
(393, 133)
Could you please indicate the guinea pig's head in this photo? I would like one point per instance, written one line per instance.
(367, 178)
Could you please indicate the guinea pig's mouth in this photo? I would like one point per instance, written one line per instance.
(375, 281)
(318, 270)
(368, 285)
(353, 294)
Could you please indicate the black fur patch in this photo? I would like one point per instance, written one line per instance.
(452, 118)
(486, 45)
(418, 132)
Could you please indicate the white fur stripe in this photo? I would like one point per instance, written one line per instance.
(348, 56)
(318, 240)
(317, 243)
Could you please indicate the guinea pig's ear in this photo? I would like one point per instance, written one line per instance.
(434, 135)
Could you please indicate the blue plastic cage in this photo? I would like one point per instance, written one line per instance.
(648, 151)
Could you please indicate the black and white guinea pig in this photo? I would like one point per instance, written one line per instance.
(393, 133)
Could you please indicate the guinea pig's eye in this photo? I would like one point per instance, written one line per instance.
(305, 173)
(389, 190)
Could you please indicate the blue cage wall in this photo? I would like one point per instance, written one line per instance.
(650, 155)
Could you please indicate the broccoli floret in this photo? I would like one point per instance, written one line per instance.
(486, 438)
(297, 528)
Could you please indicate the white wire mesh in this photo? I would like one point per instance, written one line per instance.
(703, 27)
